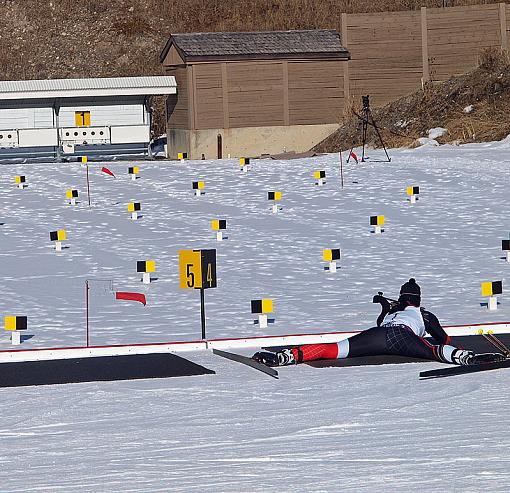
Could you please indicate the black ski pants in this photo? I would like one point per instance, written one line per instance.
(397, 340)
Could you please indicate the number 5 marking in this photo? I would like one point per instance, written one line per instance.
(190, 275)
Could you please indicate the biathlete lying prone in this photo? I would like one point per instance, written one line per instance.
(400, 330)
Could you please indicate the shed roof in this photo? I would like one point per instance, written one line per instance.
(71, 88)
(269, 44)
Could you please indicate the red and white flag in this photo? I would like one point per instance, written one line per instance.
(125, 295)
(104, 169)
(353, 155)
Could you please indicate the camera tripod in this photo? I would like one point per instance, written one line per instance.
(366, 119)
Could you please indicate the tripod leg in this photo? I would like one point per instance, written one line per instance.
(380, 138)
(365, 127)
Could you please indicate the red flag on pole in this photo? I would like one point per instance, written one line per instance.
(353, 155)
(124, 295)
(104, 169)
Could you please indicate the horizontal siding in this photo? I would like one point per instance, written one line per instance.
(386, 63)
(255, 94)
(177, 106)
(386, 55)
(208, 96)
(104, 115)
(468, 11)
(129, 114)
(21, 118)
(456, 37)
(316, 92)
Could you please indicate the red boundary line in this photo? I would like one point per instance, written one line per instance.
(213, 340)
(475, 325)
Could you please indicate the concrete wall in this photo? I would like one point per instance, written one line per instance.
(248, 141)
(177, 141)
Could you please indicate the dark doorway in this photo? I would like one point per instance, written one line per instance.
(220, 147)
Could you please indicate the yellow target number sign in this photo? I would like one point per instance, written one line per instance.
(197, 269)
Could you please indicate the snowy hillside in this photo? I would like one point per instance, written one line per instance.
(333, 429)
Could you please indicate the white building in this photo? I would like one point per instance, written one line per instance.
(65, 117)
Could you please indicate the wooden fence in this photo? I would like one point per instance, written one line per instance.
(394, 53)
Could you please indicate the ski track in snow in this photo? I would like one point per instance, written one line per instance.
(371, 429)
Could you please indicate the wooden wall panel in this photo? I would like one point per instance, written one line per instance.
(457, 35)
(392, 54)
(386, 55)
(208, 96)
(316, 92)
(255, 93)
(172, 58)
(177, 105)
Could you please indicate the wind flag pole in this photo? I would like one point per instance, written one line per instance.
(119, 295)
(341, 169)
(202, 311)
(88, 183)
(87, 304)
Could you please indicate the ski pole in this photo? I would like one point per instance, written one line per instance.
(496, 342)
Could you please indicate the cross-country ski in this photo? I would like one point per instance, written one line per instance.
(247, 361)
(463, 370)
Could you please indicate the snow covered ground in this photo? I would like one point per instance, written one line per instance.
(371, 429)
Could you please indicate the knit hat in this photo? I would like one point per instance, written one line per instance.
(410, 287)
(410, 291)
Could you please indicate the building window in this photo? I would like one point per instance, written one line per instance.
(82, 118)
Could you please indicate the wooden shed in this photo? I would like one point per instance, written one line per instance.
(249, 93)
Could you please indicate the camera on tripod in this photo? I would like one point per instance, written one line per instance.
(364, 121)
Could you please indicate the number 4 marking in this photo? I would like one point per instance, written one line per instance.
(209, 274)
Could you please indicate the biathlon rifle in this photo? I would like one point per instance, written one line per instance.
(379, 298)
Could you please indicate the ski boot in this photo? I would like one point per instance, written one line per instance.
(464, 357)
(279, 358)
